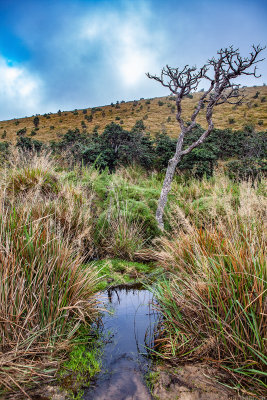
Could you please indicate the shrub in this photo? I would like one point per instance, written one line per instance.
(26, 143)
(247, 169)
(21, 132)
(248, 128)
(89, 118)
(3, 136)
(36, 121)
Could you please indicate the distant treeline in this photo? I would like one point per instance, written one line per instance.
(244, 151)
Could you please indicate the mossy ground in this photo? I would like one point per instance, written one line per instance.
(83, 363)
(114, 272)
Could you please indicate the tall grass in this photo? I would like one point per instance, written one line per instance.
(214, 302)
(45, 292)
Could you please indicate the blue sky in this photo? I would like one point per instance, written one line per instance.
(67, 54)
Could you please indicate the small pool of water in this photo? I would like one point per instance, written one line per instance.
(128, 330)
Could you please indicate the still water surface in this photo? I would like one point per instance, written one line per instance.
(128, 328)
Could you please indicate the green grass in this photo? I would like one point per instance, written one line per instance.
(83, 363)
(113, 272)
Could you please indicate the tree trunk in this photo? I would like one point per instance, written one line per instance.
(172, 164)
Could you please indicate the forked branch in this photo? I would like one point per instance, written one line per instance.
(219, 73)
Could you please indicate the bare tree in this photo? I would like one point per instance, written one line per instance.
(219, 72)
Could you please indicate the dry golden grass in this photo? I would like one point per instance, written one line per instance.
(156, 118)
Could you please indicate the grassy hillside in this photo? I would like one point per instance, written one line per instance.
(158, 115)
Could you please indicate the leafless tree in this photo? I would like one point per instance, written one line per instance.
(220, 73)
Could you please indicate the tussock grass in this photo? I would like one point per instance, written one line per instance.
(120, 236)
(53, 219)
(214, 302)
(46, 294)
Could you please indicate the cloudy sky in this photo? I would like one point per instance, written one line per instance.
(67, 54)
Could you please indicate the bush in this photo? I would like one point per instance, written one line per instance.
(21, 132)
(26, 143)
(248, 128)
(36, 121)
(89, 118)
(4, 151)
(247, 169)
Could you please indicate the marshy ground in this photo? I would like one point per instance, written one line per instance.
(69, 234)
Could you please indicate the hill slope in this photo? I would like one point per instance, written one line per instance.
(158, 115)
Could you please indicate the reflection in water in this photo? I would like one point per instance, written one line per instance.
(129, 327)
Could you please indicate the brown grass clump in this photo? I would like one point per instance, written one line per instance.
(214, 302)
(46, 294)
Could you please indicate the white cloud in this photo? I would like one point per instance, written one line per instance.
(128, 43)
(20, 91)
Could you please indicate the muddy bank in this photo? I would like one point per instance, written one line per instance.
(190, 382)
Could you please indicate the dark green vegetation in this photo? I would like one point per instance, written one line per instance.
(79, 215)
(245, 151)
